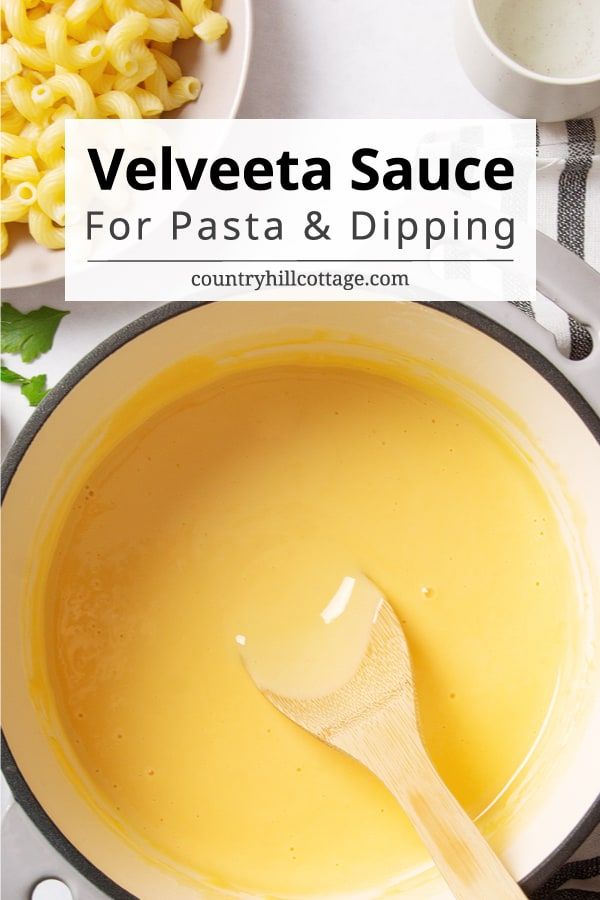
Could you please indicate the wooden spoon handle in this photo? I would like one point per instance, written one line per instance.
(465, 859)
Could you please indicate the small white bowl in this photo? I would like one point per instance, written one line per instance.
(222, 68)
(509, 84)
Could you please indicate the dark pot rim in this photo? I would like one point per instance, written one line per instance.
(19, 787)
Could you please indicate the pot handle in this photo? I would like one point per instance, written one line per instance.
(574, 286)
(29, 860)
(569, 282)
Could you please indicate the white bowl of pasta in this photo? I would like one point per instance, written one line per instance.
(100, 59)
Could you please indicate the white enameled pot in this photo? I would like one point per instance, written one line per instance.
(510, 85)
(495, 348)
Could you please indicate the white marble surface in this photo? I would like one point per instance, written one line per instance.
(348, 58)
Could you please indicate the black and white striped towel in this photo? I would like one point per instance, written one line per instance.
(568, 211)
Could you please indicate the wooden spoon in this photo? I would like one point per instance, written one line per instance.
(372, 717)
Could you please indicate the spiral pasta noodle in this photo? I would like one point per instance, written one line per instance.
(88, 59)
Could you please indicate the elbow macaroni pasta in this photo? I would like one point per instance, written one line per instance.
(88, 59)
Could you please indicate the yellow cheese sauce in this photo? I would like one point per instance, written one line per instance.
(228, 518)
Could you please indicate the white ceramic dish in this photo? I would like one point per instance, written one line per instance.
(222, 68)
(509, 84)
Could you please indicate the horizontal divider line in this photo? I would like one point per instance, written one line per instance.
(275, 262)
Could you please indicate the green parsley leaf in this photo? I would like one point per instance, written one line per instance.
(29, 334)
(34, 388)
(10, 376)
